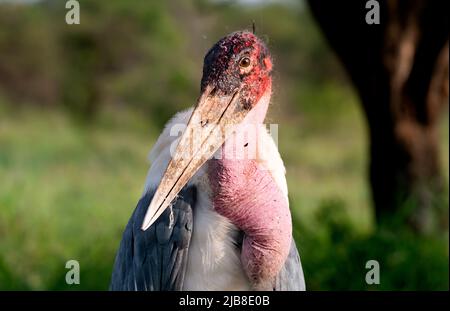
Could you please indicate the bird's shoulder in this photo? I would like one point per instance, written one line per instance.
(171, 132)
(159, 155)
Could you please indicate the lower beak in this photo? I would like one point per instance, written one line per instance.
(213, 120)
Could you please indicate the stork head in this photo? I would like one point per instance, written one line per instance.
(239, 62)
(236, 75)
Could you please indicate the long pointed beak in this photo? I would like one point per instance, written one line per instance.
(213, 120)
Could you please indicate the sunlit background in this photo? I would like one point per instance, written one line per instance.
(81, 106)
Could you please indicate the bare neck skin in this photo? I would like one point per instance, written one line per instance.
(246, 193)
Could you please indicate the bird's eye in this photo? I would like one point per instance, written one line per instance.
(244, 62)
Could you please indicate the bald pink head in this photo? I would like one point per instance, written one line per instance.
(239, 60)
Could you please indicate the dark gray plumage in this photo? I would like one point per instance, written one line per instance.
(291, 276)
(156, 259)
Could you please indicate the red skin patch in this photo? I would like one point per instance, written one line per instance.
(248, 196)
(222, 70)
(268, 63)
(258, 81)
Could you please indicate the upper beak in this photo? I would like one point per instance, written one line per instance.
(213, 120)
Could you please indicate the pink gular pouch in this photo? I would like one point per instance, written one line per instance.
(245, 192)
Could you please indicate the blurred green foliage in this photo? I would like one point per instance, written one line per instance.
(80, 107)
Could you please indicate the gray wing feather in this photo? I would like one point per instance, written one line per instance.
(155, 259)
(291, 276)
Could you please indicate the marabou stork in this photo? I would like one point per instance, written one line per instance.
(209, 220)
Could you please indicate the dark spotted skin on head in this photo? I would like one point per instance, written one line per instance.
(222, 69)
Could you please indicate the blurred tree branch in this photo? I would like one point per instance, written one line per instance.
(400, 70)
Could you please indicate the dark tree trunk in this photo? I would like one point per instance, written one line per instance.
(400, 70)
